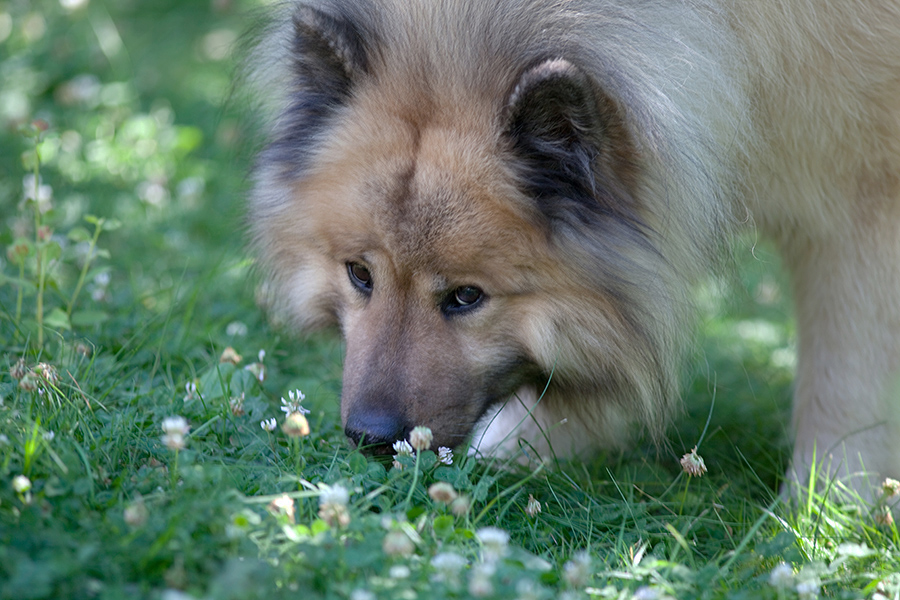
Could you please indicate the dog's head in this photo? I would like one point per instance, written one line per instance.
(466, 208)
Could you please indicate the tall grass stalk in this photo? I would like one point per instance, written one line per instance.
(89, 259)
(38, 243)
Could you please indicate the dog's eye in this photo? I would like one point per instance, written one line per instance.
(360, 276)
(467, 295)
(462, 299)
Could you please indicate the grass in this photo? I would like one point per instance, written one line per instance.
(134, 318)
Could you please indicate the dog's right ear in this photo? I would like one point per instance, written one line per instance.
(329, 55)
(576, 157)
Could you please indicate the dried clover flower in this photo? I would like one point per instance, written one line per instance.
(693, 464)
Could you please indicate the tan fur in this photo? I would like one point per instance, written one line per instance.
(784, 115)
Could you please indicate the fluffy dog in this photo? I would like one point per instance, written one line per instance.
(504, 204)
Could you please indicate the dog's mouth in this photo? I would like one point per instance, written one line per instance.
(376, 420)
(375, 448)
(382, 452)
(376, 440)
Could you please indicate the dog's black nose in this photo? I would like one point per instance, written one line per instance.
(375, 431)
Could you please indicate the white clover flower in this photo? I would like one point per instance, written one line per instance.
(809, 589)
(47, 372)
(782, 576)
(236, 329)
(445, 455)
(420, 438)
(333, 501)
(99, 293)
(883, 516)
(230, 355)
(173, 441)
(295, 425)
(645, 592)
(191, 388)
(261, 355)
(175, 424)
(399, 572)
(526, 590)
(448, 562)
(40, 193)
(29, 382)
(102, 278)
(236, 404)
(335, 515)
(397, 543)
(174, 429)
(447, 567)
(577, 570)
(480, 580)
(333, 494)
(153, 193)
(18, 370)
(533, 508)
(268, 424)
(21, 484)
(493, 536)
(136, 513)
(460, 506)
(693, 464)
(494, 542)
(442, 492)
(172, 593)
(258, 370)
(401, 448)
(283, 505)
(890, 487)
(292, 405)
(48, 436)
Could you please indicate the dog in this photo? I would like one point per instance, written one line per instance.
(506, 204)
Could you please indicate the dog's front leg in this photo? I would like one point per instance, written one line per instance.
(847, 398)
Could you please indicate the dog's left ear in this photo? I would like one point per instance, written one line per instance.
(329, 54)
(569, 138)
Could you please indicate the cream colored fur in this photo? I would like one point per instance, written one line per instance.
(824, 182)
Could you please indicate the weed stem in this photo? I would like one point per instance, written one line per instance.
(98, 227)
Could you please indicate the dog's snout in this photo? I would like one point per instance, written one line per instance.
(376, 430)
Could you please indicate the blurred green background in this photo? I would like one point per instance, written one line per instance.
(135, 93)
